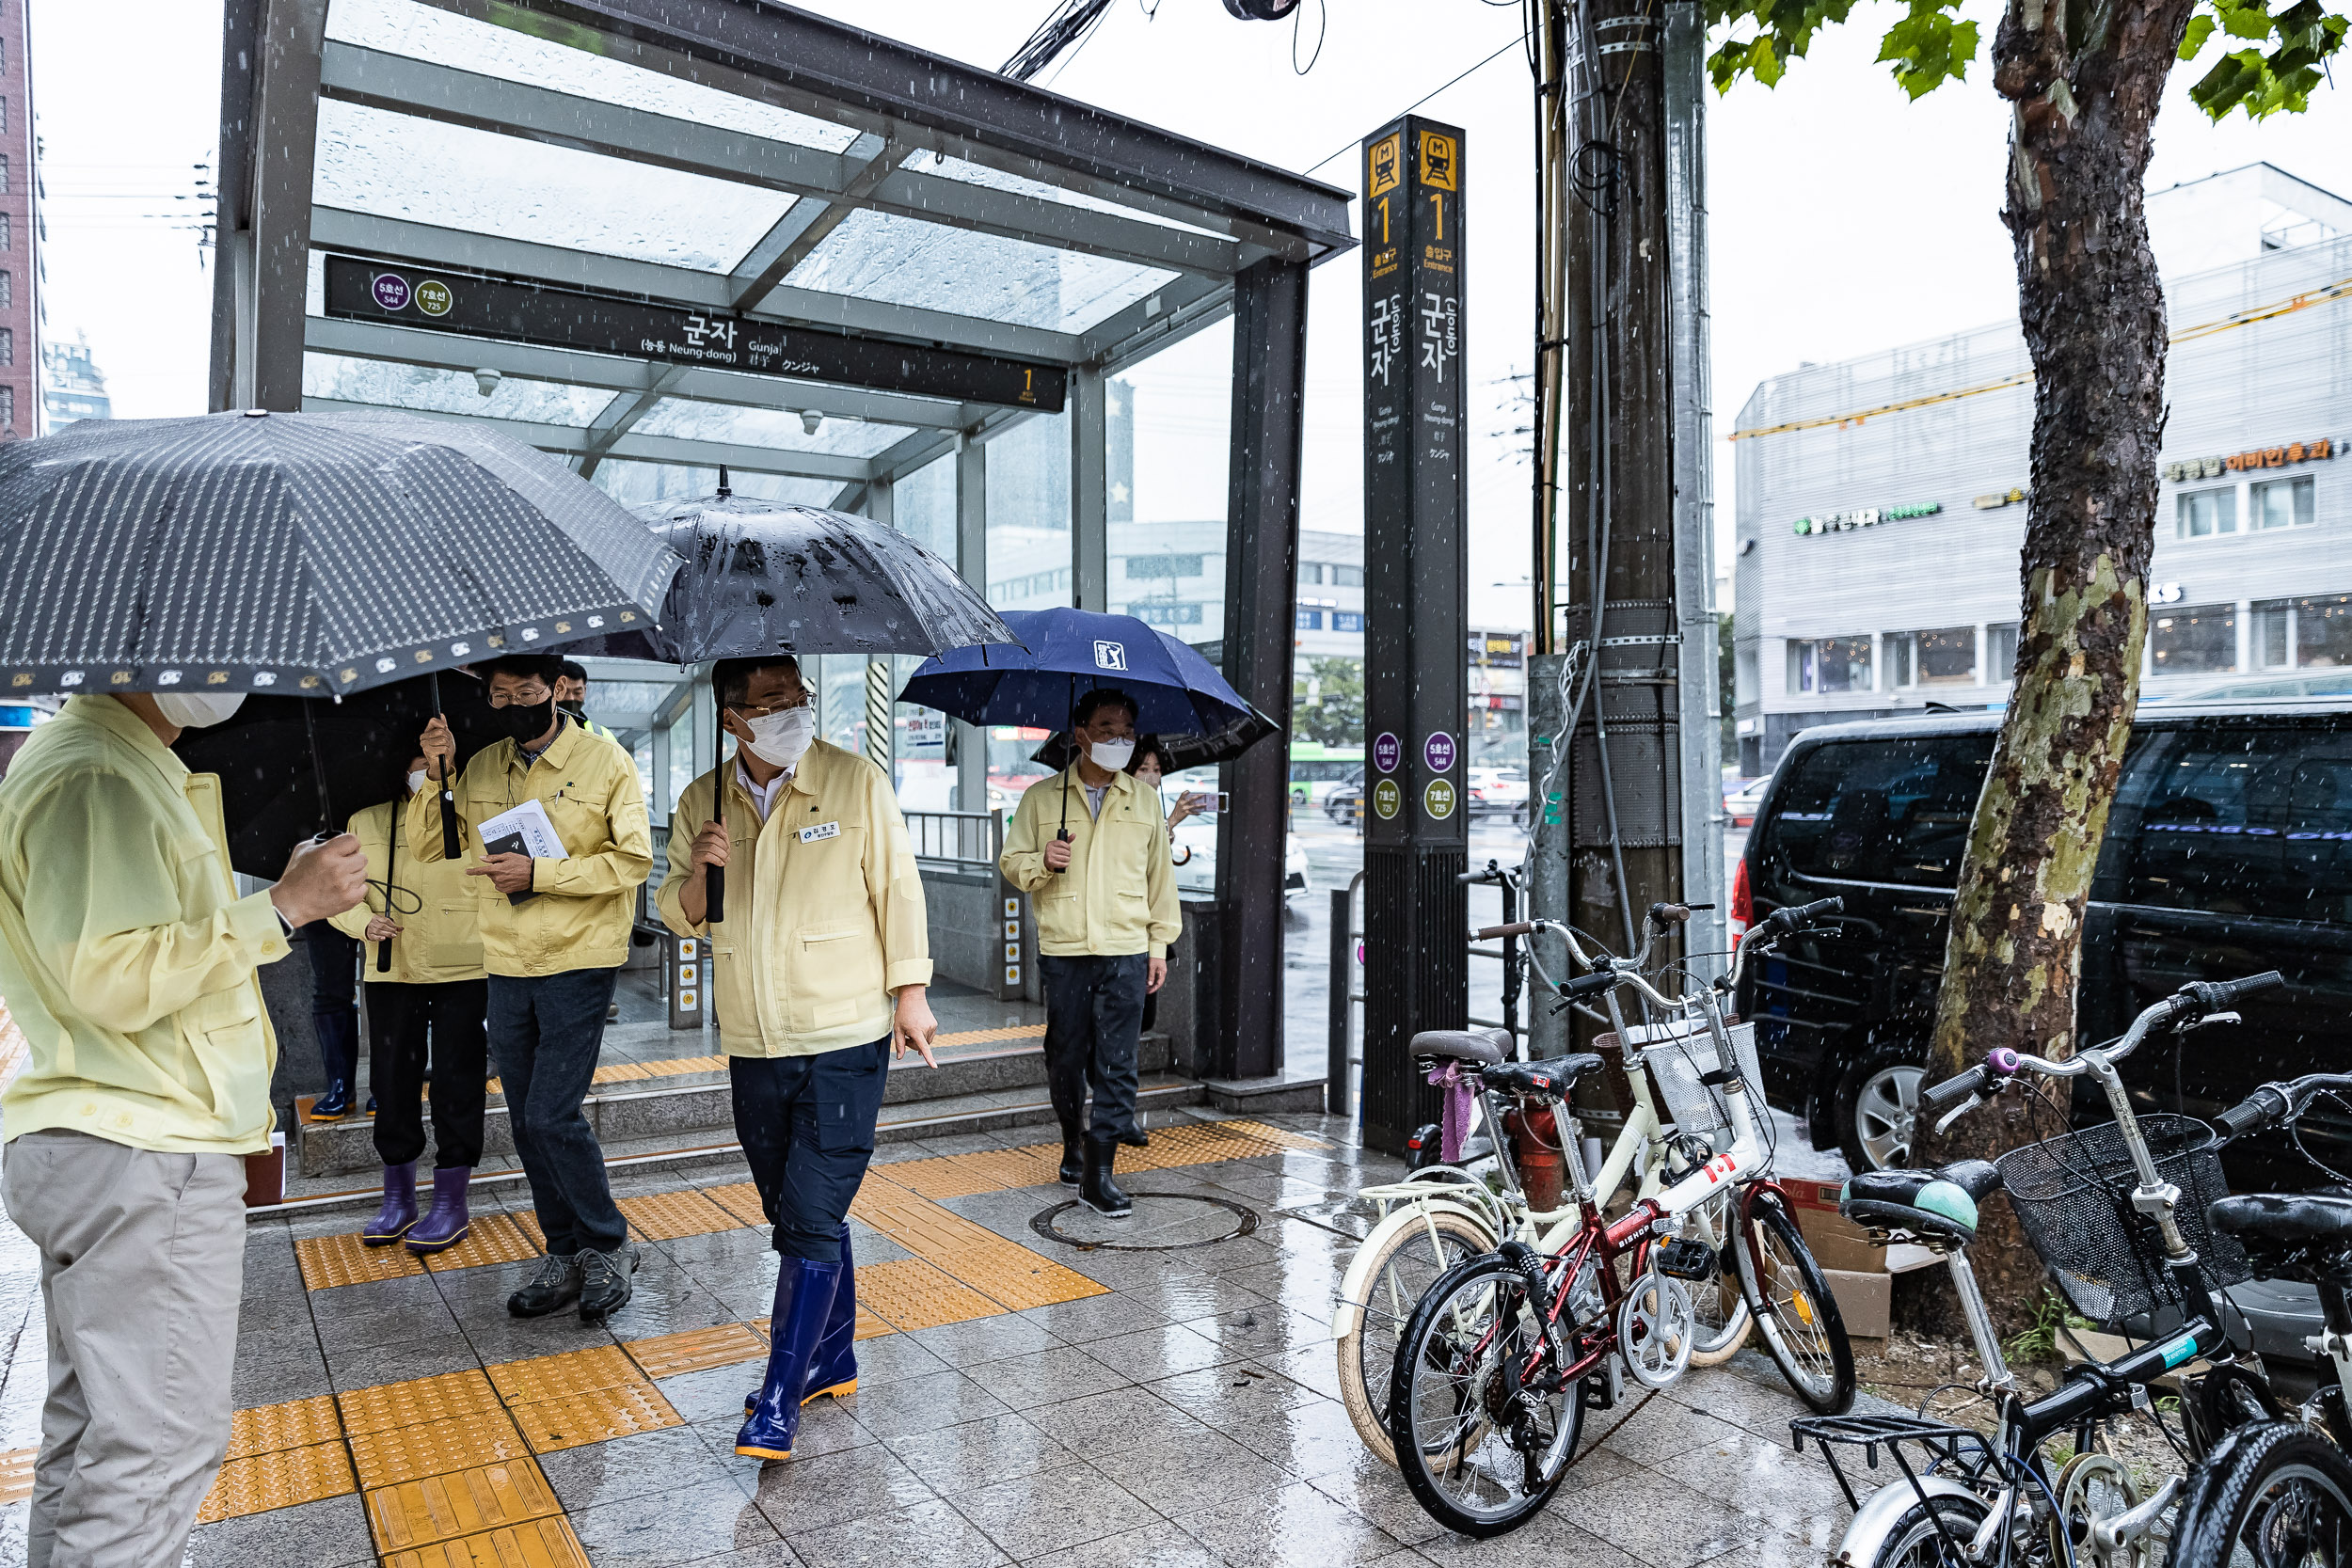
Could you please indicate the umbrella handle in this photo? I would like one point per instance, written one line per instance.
(715, 877)
(392, 829)
(450, 845)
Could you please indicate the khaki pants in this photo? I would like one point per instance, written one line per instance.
(142, 1262)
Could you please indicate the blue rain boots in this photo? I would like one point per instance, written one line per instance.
(805, 1297)
(338, 1053)
(399, 1212)
(448, 1223)
(833, 1369)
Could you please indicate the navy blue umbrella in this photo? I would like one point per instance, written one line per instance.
(1066, 652)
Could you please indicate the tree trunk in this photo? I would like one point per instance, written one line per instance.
(2085, 78)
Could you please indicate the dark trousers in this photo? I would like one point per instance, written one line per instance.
(334, 1000)
(806, 1124)
(1093, 1014)
(545, 1033)
(401, 1018)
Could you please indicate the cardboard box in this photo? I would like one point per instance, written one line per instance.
(1838, 1244)
(1865, 1301)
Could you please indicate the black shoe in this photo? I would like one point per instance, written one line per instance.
(1074, 1164)
(604, 1285)
(1139, 1139)
(334, 1104)
(1101, 1193)
(555, 1286)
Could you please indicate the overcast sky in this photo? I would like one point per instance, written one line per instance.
(1844, 218)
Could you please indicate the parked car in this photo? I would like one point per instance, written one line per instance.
(1346, 802)
(1741, 803)
(1498, 792)
(2228, 853)
(1199, 873)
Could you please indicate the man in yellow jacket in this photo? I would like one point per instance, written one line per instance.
(822, 956)
(1097, 873)
(131, 962)
(421, 962)
(555, 931)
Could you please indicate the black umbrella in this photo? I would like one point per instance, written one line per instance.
(771, 577)
(1184, 751)
(300, 553)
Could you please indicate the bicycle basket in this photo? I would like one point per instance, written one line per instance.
(2073, 1194)
(1677, 1055)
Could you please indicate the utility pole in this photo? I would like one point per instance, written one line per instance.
(1622, 517)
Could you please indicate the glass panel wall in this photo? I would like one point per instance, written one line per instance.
(924, 506)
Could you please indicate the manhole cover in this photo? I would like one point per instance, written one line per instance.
(1162, 1222)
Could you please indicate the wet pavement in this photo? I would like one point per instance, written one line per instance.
(1022, 1397)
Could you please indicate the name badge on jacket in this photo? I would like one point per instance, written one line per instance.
(822, 829)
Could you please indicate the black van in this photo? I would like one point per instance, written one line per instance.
(2229, 851)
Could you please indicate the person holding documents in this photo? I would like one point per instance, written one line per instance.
(553, 826)
(822, 956)
(421, 966)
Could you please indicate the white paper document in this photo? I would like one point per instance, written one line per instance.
(528, 824)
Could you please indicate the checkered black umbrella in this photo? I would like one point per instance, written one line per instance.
(304, 554)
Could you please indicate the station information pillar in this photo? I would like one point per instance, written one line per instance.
(1416, 684)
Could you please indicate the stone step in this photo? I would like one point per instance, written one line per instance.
(974, 1076)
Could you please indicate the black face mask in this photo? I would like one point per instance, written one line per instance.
(525, 724)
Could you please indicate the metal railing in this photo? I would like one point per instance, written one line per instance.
(962, 838)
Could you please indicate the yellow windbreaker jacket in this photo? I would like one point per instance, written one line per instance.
(1119, 895)
(587, 900)
(825, 913)
(125, 953)
(439, 937)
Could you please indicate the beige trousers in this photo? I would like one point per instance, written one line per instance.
(142, 1260)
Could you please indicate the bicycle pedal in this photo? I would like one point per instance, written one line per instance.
(1687, 1258)
(1599, 1390)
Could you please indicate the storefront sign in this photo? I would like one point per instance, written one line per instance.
(2263, 457)
(1869, 517)
(2009, 497)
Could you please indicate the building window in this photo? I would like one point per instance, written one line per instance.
(2315, 633)
(2204, 513)
(1311, 619)
(1311, 571)
(2193, 640)
(2000, 653)
(1945, 658)
(8, 345)
(7, 290)
(1347, 576)
(3, 230)
(4, 168)
(1163, 565)
(2282, 504)
(7, 408)
(1829, 664)
(1345, 620)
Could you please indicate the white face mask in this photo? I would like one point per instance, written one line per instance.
(195, 711)
(1113, 755)
(779, 739)
(418, 781)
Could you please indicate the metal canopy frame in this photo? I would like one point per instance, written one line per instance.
(953, 159)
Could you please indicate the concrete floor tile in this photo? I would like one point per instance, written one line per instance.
(1180, 1298)
(978, 1454)
(893, 1358)
(1190, 1474)
(852, 1484)
(1295, 1526)
(1261, 1332)
(410, 1308)
(1660, 1429)
(673, 1526)
(1311, 1439)
(1052, 1510)
(1317, 1366)
(1769, 1481)
(398, 1361)
(1658, 1521)
(1371, 1488)
(826, 1428)
(1545, 1540)
(669, 1308)
(294, 1374)
(329, 1533)
(983, 1339)
(922, 1404)
(1159, 1546)
(1112, 1422)
(1227, 1396)
(1152, 1354)
(711, 1394)
(1092, 1318)
(1048, 1377)
(930, 1534)
(635, 1466)
(498, 1337)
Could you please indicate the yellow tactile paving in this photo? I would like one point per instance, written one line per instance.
(435, 1448)
(575, 1419)
(273, 1480)
(868, 1325)
(330, 1260)
(391, 1405)
(668, 1355)
(674, 1067)
(527, 1221)
(491, 1238)
(273, 1428)
(1003, 1271)
(16, 1474)
(574, 1371)
(741, 1199)
(538, 1544)
(959, 1175)
(619, 1072)
(981, 1037)
(664, 1216)
(909, 1293)
(417, 1513)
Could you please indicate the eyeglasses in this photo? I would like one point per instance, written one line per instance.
(530, 696)
(749, 712)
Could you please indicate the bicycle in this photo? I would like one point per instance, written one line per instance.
(1445, 1213)
(2086, 1200)
(1505, 1353)
(2275, 1489)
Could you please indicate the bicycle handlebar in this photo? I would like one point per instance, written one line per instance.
(1517, 929)
(2276, 1104)
(1791, 918)
(1983, 1079)
(2220, 996)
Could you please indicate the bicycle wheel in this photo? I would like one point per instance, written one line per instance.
(1408, 1262)
(1794, 1311)
(2092, 1488)
(1720, 1310)
(1481, 1450)
(2273, 1495)
(1924, 1539)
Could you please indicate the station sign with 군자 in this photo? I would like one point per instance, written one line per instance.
(479, 305)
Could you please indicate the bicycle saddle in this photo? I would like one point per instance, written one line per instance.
(1551, 1079)
(2293, 1219)
(1934, 1205)
(1464, 1045)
